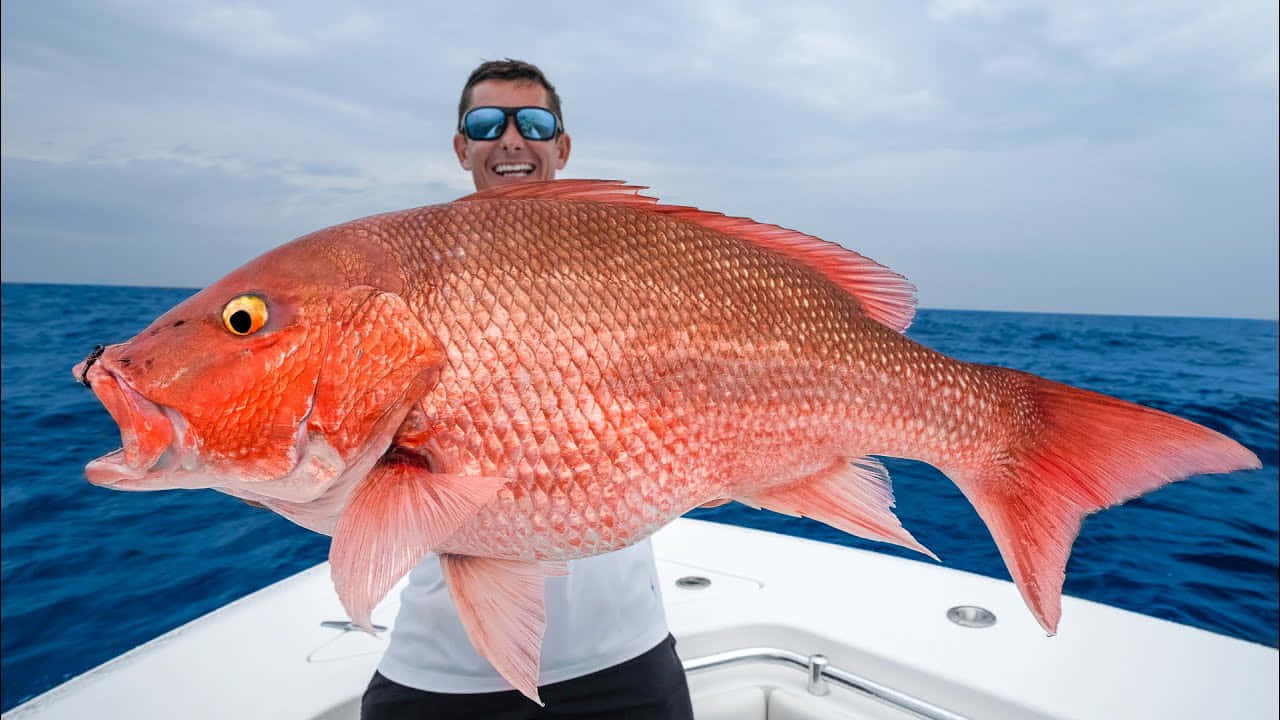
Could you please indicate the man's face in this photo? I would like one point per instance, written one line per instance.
(510, 158)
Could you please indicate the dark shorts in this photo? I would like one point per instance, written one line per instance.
(649, 687)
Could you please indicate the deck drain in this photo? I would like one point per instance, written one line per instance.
(693, 582)
(348, 626)
(971, 616)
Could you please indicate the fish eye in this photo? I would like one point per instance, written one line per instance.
(245, 314)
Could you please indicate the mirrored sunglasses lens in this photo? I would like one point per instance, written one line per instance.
(536, 123)
(485, 123)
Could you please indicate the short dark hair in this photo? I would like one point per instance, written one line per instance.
(509, 69)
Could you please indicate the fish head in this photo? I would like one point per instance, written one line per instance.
(274, 383)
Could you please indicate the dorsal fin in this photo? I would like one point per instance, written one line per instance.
(886, 296)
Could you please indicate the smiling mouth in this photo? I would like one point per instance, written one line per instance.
(514, 169)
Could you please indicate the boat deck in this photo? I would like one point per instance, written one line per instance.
(820, 629)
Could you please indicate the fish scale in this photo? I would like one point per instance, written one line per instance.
(712, 265)
(548, 371)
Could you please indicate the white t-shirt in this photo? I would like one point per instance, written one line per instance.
(607, 610)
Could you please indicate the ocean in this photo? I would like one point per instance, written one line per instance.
(88, 573)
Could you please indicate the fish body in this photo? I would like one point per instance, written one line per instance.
(549, 371)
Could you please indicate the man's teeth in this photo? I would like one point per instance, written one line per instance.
(514, 169)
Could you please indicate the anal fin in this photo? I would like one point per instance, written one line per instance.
(400, 511)
(851, 494)
(502, 605)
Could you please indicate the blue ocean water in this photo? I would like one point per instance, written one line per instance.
(88, 573)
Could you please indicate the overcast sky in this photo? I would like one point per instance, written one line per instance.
(1093, 157)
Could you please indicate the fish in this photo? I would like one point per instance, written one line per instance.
(552, 370)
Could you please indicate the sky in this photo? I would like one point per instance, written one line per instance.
(1082, 157)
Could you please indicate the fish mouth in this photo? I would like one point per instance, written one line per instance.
(147, 434)
(160, 452)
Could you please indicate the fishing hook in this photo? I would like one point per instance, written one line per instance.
(88, 363)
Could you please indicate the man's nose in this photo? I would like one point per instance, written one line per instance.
(511, 139)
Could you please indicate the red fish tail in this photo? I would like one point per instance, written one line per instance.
(1081, 452)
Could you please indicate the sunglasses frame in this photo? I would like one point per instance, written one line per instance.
(508, 115)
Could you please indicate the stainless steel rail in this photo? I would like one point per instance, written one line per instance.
(819, 671)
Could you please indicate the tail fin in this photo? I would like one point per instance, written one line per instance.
(1090, 451)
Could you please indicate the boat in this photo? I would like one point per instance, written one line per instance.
(768, 627)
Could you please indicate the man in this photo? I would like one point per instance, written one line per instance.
(606, 652)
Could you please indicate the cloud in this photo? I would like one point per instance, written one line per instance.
(255, 32)
(985, 140)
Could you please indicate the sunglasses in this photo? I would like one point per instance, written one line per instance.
(488, 123)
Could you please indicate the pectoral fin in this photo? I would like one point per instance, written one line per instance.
(502, 607)
(398, 514)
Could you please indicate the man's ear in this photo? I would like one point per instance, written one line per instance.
(460, 147)
(562, 150)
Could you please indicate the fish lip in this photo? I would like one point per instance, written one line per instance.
(112, 471)
(115, 472)
(153, 437)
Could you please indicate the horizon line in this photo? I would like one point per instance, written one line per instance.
(1272, 319)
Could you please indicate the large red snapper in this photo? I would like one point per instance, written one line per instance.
(553, 370)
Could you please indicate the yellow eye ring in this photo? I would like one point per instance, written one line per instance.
(245, 315)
